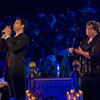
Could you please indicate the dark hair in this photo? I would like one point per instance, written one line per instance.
(23, 22)
(96, 25)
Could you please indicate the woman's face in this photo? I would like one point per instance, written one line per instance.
(90, 31)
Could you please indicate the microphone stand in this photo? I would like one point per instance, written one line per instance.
(67, 59)
(63, 69)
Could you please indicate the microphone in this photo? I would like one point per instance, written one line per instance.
(2, 32)
(73, 43)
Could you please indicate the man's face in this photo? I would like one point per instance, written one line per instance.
(90, 31)
(17, 25)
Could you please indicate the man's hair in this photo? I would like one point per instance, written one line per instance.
(96, 25)
(23, 22)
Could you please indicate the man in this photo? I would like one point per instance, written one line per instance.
(89, 56)
(16, 47)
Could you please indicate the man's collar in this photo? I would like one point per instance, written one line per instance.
(18, 34)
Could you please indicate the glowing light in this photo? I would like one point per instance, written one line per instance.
(33, 98)
(77, 95)
(27, 91)
(69, 97)
(67, 93)
(29, 94)
(80, 92)
(72, 91)
(72, 95)
(74, 98)
(58, 69)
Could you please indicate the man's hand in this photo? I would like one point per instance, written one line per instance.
(7, 31)
(3, 36)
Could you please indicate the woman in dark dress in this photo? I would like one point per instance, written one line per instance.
(89, 57)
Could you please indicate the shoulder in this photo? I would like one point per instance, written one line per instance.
(98, 38)
(84, 40)
(23, 35)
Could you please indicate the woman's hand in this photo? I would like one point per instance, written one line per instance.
(71, 50)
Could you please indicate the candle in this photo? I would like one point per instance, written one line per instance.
(78, 96)
(72, 92)
(81, 95)
(67, 93)
(29, 96)
(27, 91)
(33, 98)
(74, 98)
(69, 97)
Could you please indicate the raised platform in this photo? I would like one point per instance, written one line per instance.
(50, 88)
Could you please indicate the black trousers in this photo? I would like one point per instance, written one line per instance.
(91, 87)
(16, 85)
(5, 93)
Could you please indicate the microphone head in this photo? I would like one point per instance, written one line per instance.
(2, 32)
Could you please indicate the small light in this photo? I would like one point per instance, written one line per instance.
(29, 94)
(69, 97)
(57, 67)
(80, 92)
(74, 98)
(33, 98)
(67, 93)
(27, 91)
(77, 95)
(72, 91)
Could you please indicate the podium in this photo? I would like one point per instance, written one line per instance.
(50, 88)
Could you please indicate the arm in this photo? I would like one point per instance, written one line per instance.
(7, 33)
(91, 54)
(96, 49)
(79, 52)
(83, 53)
(3, 46)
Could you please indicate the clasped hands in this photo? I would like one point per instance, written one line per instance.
(7, 32)
(78, 51)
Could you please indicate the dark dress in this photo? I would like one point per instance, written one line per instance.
(90, 69)
(16, 73)
(91, 66)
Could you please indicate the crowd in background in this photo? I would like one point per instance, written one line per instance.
(50, 35)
